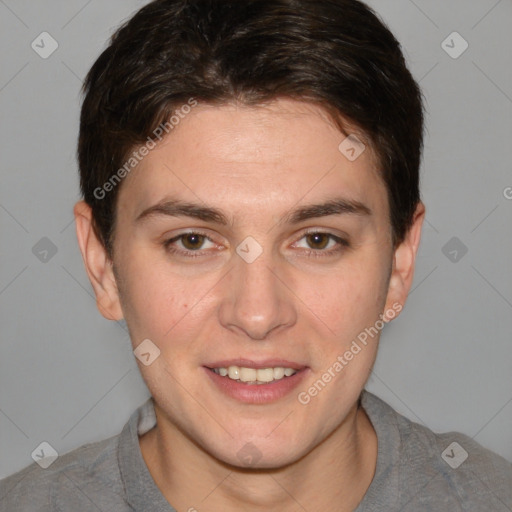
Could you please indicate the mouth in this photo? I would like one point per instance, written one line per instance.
(256, 383)
(254, 376)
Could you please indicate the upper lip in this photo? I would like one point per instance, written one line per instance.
(265, 363)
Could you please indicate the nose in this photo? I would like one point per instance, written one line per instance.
(256, 298)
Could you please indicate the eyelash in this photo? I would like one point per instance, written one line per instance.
(315, 253)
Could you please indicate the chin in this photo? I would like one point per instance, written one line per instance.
(259, 453)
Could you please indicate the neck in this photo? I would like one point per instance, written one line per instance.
(333, 477)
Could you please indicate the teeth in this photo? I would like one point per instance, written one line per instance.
(265, 375)
(253, 376)
(278, 372)
(246, 374)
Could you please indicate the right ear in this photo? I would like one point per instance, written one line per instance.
(97, 264)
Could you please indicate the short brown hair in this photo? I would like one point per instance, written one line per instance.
(335, 53)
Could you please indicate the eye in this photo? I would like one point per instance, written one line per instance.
(319, 243)
(190, 242)
(194, 244)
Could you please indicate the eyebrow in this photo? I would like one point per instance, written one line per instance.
(178, 208)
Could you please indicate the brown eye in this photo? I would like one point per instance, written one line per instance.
(192, 244)
(318, 244)
(192, 241)
(318, 240)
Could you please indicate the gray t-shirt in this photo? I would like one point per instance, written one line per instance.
(417, 470)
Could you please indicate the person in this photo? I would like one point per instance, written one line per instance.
(251, 209)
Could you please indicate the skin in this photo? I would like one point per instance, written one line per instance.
(255, 164)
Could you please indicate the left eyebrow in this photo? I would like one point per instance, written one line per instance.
(337, 206)
(178, 208)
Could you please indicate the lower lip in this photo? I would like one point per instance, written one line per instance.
(257, 393)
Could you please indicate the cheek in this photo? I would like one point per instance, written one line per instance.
(162, 305)
(349, 305)
(349, 298)
(152, 301)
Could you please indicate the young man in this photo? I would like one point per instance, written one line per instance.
(251, 209)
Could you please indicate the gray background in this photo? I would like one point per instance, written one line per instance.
(68, 376)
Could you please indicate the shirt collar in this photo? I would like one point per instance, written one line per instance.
(141, 491)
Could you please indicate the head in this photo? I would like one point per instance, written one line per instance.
(230, 121)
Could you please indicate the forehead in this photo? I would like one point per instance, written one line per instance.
(254, 159)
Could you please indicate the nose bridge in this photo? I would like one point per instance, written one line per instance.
(257, 301)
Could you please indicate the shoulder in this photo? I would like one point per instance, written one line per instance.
(87, 475)
(457, 462)
(438, 467)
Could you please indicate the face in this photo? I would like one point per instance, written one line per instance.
(247, 242)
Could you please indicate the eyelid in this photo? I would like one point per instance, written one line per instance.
(167, 243)
(325, 231)
(189, 231)
(341, 243)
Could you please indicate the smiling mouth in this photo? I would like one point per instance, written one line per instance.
(254, 376)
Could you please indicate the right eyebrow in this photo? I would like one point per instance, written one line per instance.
(177, 208)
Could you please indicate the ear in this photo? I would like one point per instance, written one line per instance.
(404, 258)
(97, 264)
